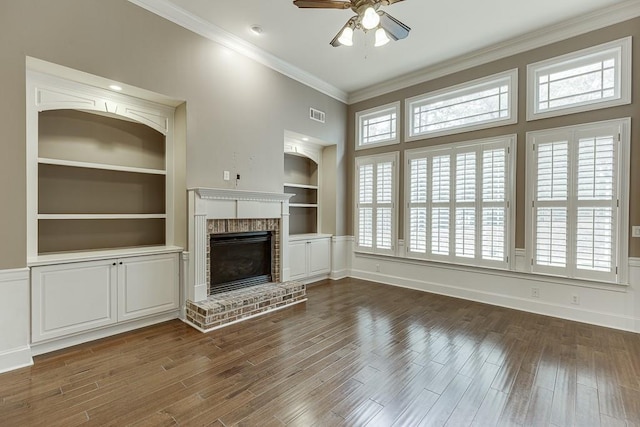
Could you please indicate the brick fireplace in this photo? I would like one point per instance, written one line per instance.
(219, 211)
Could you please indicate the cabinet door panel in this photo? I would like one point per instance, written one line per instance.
(319, 256)
(147, 285)
(297, 260)
(71, 298)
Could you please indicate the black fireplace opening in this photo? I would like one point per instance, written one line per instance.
(239, 260)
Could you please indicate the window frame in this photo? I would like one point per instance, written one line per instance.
(381, 110)
(479, 146)
(619, 275)
(375, 160)
(622, 49)
(511, 79)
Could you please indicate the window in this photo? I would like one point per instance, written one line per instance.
(376, 189)
(458, 202)
(377, 126)
(479, 104)
(592, 78)
(577, 188)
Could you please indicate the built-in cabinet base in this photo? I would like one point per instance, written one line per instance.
(74, 298)
(309, 257)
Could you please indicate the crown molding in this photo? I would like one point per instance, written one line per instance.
(177, 15)
(561, 31)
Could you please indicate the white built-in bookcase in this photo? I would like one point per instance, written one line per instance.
(99, 170)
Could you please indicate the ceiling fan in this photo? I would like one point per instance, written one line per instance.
(369, 16)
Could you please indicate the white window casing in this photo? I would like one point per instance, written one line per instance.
(378, 126)
(459, 202)
(487, 102)
(588, 79)
(577, 201)
(376, 189)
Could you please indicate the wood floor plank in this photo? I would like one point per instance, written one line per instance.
(587, 412)
(356, 353)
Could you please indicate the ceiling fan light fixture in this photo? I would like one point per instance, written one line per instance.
(381, 37)
(346, 37)
(370, 18)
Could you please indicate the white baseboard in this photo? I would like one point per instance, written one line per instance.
(614, 306)
(97, 334)
(339, 274)
(539, 307)
(15, 359)
(15, 319)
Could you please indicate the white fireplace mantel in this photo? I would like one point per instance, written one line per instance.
(218, 203)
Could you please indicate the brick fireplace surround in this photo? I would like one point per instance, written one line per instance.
(230, 211)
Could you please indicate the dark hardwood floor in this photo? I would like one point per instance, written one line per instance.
(357, 353)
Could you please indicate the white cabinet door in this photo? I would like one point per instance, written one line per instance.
(319, 256)
(147, 285)
(297, 260)
(70, 298)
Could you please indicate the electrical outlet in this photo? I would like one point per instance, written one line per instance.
(635, 231)
(378, 268)
(226, 176)
(575, 299)
(535, 292)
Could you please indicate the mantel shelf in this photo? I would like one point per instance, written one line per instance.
(88, 165)
(303, 205)
(307, 186)
(101, 216)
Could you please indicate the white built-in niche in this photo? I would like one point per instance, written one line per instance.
(100, 204)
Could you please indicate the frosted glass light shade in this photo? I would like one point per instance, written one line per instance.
(370, 19)
(381, 37)
(346, 38)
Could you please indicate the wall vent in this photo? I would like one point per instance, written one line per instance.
(316, 115)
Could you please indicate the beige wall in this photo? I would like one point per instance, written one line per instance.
(235, 113)
(520, 61)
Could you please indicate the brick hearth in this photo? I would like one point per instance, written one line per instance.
(228, 307)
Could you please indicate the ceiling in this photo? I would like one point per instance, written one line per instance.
(441, 30)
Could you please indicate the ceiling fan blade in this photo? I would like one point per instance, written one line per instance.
(322, 4)
(394, 28)
(388, 2)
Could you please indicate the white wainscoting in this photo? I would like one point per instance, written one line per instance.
(15, 317)
(341, 250)
(613, 306)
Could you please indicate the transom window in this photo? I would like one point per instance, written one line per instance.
(377, 126)
(478, 104)
(592, 78)
(458, 202)
(376, 205)
(577, 185)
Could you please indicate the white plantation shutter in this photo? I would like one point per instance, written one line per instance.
(365, 205)
(384, 199)
(376, 184)
(441, 209)
(458, 202)
(418, 205)
(494, 204)
(465, 179)
(574, 198)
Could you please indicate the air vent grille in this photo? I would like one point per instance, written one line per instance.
(316, 115)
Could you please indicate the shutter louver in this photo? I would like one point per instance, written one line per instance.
(417, 203)
(465, 226)
(440, 212)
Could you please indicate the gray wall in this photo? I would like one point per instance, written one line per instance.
(236, 109)
(520, 61)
